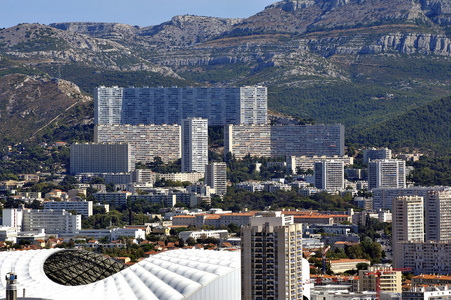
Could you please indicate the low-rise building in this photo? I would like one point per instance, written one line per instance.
(250, 186)
(343, 265)
(217, 234)
(389, 280)
(8, 234)
(427, 292)
(430, 279)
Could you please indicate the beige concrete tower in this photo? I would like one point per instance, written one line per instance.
(271, 258)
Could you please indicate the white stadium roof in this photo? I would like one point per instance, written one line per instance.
(177, 274)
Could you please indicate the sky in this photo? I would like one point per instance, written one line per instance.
(132, 12)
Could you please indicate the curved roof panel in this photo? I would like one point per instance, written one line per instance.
(171, 275)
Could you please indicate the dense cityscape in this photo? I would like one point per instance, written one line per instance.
(294, 214)
(255, 150)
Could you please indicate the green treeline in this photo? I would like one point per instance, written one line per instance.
(427, 128)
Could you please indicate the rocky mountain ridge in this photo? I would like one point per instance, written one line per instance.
(40, 44)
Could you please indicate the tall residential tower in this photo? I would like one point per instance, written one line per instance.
(216, 177)
(271, 259)
(329, 175)
(194, 144)
(386, 173)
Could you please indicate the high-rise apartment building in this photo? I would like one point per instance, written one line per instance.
(234, 105)
(216, 177)
(329, 175)
(408, 224)
(438, 215)
(101, 158)
(271, 259)
(424, 249)
(284, 140)
(148, 141)
(194, 144)
(386, 173)
(375, 153)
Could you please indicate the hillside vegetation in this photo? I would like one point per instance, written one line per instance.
(427, 127)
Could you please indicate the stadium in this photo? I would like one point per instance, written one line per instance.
(78, 274)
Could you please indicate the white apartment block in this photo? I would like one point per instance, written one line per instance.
(199, 188)
(383, 197)
(429, 257)
(148, 141)
(81, 207)
(191, 177)
(113, 233)
(112, 198)
(427, 292)
(408, 224)
(216, 177)
(165, 199)
(8, 234)
(305, 163)
(116, 178)
(271, 256)
(194, 144)
(217, 234)
(12, 217)
(284, 140)
(144, 176)
(329, 175)
(250, 186)
(272, 186)
(438, 215)
(376, 153)
(386, 173)
(101, 158)
(247, 139)
(233, 105)
(52, 221)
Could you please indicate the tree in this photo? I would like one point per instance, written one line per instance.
(97, 180)
(232, 227)
(191, 241)
(362, 266)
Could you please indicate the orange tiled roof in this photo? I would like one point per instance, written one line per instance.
(431, 276)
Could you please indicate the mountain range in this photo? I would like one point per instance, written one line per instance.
(362, 63)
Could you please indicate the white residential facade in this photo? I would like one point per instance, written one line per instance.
(194, 144)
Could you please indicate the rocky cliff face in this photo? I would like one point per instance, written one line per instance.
(47, 45)
(111, 31)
